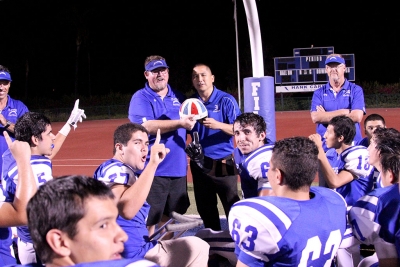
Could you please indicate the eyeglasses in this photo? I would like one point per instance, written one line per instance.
(335, 68)
(162, 71)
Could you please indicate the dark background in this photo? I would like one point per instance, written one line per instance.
(116, 36)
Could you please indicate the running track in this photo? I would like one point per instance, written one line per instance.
(92, 142)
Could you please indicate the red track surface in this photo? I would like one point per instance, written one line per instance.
(92, 142)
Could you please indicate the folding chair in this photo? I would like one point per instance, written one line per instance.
(178, 223)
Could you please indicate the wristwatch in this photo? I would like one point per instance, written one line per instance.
(8, 124)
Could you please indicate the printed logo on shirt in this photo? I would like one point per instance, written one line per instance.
(175, 101)
(216, 108)
(12, 112)
(346, 93)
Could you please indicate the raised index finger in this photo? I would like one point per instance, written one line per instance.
(76, 104)
(196, 139)
(158, 137)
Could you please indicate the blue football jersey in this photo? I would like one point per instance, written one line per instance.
(375, 220)
(42, 169)
(354, 160)
(253, 169)
(112, 172)
(278, 231)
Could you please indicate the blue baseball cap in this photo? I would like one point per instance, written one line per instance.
(4, 75)
(154, 64)
(336, 59)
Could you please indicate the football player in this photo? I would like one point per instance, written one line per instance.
(299, 226)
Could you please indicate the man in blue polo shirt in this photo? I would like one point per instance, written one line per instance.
(216, 138)
(156, 106)
(10, 110)
(337, 97)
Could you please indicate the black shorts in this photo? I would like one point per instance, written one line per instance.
(167, 194)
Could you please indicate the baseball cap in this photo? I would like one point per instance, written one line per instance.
(154, 64)
(4, 75)
(336, 59)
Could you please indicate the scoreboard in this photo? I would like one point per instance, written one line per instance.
(308, 66)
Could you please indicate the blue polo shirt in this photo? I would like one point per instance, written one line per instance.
(351, 96)
(222, 107)
(147, 105)
(13, 110)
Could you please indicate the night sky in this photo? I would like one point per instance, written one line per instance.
(117, 36)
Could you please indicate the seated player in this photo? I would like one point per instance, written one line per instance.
(14, 213)
(130, 152)
(347, 171)
(252, 154)
(371, 123)
(35, 129)
(72, 220)
(299, 226)
(375, 216)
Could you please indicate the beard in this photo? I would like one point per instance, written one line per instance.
(159, 85)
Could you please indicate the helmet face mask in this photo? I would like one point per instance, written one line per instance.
(193, 106)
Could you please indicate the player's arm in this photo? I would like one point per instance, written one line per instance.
(166, 126)
(77, 114)
(14, 214)
(131, 199)
(333, 180)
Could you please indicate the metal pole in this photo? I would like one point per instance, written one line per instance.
(255, 38)
(237, 55)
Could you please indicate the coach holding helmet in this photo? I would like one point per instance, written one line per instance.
(156, 106)
(216, 139)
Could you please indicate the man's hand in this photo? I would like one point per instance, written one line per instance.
(211, 123)
(195, 152)
(316, 138)
(188, 122)
(76, 115)
(158, 151)
(20, 150)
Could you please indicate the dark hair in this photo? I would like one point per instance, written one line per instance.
(343, 126)
(151, 58)
(387, 140)
(391, 162)
(254, 120)
(124, 132)
(297, 159)
(60, 204)
(374, 117)
(31, 124)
